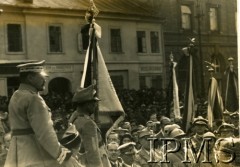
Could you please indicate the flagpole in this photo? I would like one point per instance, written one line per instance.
(91, 13)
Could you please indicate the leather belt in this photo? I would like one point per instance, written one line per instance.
(20, 132)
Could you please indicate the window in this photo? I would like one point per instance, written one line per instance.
(141, 42)
(186, 17)
(14, 38)
(55, 38)
(116, 44)
(154, 42)
(117, 81)
(213, 17)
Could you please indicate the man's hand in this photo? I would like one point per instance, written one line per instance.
(63, 155)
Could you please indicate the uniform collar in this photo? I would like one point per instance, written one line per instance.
(27, 87)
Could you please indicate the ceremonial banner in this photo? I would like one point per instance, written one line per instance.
(215, 104)
(189, 112)
(231, 96)
(106, 91)
(176, 107)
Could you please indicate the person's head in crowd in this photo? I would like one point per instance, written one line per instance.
(86, 100)
(227, 152)
(113, 137)
(127, 125)
(135, 135)
(126, 138)
(165, 121)
(226, 116)
(153, 117)
(33, 74)
(226, 130)
(235, 118)
(133, 124)
(112, 151)
(141, 127)
(169, 128)
(150, 125)
(120, 131)
(143, 136)
(200, 125)
(127, 148)
(177, 133)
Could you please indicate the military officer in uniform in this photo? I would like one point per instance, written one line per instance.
(34, 142)
(200, 126)
(92, 146)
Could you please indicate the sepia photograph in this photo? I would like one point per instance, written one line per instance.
(119, 83)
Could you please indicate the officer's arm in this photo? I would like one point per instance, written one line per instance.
(90, 142)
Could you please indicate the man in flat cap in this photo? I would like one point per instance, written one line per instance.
(34, 141)
(143, 155)
(92, 146)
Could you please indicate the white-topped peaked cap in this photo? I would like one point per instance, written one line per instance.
(37, 67)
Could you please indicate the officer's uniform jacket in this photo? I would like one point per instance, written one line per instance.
(34, 141)
(92, 147)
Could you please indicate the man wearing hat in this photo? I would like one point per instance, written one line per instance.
(34, 141)
(92, 143)
(143, 155)
(226, 130)
(200, 126)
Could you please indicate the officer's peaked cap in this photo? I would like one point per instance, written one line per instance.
(71, 141)
(37, 67)
(200, 121)
(85, 94)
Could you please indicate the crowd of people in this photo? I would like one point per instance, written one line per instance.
(147, 134)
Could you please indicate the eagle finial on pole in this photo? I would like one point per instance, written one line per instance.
(91, 12)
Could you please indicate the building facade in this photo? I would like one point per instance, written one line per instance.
(132, 42)
(213, 23)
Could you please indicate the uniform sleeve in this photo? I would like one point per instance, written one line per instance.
(90, 142)
(41, 123)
